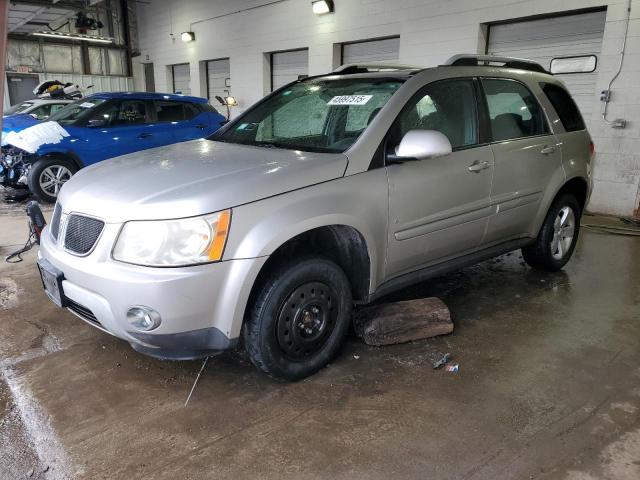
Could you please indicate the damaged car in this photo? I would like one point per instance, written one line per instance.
(42, 156)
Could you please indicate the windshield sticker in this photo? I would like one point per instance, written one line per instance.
(87, 105)
(350, 100)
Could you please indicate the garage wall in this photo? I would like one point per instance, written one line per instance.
(430, 31)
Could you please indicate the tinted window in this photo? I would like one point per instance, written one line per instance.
(167, 111)
(513, 110)
(564, 106)
(122, 114)
(190, 111)
(448, 107)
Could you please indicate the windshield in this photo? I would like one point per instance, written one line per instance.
(18, 108)
(319, 116)
(76, 110)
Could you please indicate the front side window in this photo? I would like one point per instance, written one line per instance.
(77, 111)
(121, 114)
(514, 111)
(564, 106)
(448, 106)
(321, 115)
(41, 112)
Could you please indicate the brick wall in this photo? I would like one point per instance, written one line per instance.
(430, 31)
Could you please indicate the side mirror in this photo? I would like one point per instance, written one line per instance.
(421, 144)
(96, 123)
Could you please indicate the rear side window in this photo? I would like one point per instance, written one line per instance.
(514, 111)
(564, 106)
(169, 111)
(190, 111)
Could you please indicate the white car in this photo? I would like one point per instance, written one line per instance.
(39, 108)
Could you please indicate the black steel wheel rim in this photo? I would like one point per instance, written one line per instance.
(306, 319)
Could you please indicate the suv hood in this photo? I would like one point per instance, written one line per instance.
(192, 178)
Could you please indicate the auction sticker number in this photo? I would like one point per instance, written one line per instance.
(350, 100)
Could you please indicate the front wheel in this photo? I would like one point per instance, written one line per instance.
(47, 177)
(558, 236)
(299, 318)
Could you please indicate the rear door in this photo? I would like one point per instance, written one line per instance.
(439, 207)
(526, 154)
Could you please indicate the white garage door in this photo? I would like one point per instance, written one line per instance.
(218, 78)
(288, 66)
(387, 50)
(544, 39)
(181, 79)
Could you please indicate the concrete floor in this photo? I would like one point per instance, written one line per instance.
(548, 388)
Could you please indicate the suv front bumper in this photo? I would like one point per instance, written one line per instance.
(201, 307)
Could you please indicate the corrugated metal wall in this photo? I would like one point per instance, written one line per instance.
(386, 50)
(288, 66)
(543, 39)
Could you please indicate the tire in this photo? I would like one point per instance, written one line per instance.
(299, 318)
(47, 176)
(558, 236)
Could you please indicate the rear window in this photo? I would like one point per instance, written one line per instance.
(564, 106)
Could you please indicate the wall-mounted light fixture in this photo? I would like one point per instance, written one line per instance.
(187, 37)
(320, 7)
(73, 36)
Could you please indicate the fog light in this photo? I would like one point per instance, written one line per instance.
(143, 318)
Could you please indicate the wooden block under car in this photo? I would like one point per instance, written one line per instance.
(401, 322)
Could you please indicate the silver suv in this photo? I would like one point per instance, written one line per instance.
(332, 191)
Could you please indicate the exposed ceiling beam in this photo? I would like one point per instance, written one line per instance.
(28, 18)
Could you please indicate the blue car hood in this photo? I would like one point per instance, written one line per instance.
(15, 123)
(29, 134)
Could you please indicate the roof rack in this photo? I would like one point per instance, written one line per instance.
(351, 68)
(473, 60)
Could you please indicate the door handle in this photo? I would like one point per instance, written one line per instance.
(145, 135)
(478, 166)
(201, 125)
(548, 150)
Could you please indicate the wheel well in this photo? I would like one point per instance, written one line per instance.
(578, 188)
(342, 244)
(67, 156)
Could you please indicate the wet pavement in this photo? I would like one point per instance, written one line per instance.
(548, 388)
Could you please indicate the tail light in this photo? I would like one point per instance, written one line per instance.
(592, 149)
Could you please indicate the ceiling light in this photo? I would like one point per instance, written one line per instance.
(320, 7)
(187, 36)
(73, 36)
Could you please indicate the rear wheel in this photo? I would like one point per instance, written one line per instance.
(299, 319)
(48, 175)
(558, 236)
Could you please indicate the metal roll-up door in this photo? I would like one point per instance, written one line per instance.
(218, 78)
(544, 39)
(181, 79)
(386, 50)
(288, 66)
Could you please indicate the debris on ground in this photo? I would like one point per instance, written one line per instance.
(442, 361)
(453, 368)
(402, 322)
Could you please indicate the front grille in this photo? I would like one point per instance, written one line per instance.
(82, 233)
(83, 312)
(55, 221)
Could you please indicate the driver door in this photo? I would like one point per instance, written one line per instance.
(439, 207)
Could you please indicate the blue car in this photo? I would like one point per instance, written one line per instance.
(44, 155)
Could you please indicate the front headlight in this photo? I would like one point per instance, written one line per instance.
(173, 243)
